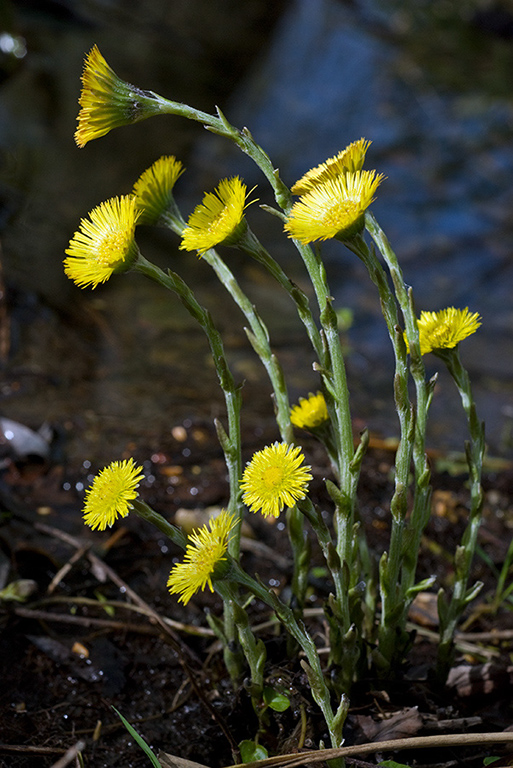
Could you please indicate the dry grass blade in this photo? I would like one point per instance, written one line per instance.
(393, 745)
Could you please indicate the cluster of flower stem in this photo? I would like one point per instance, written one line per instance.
(333, 203)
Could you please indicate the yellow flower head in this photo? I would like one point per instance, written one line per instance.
(110, 495)
(104, 243)
(206, 550)
(310, 412)
(107, 102)
(153, 190)
(334, 208)
(274, 478)
(219, 219)
(446, 328)
(349, 160)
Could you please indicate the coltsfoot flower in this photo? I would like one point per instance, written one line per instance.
(110, 495)
(207, 549)
(334, 208)
(349, 160)
(274, 479)
(104, 243)
(310, 412)
(108, 102)
(153, 190)
(219, 219)
(446, 328)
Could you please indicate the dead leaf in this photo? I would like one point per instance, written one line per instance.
(400, 725)
(479, 679)
(424, 610)
(173, 761)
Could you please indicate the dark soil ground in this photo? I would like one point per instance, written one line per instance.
(67, 655)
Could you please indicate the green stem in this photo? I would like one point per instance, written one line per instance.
(393, 616)
(259, 338)
(258, 335)
(254, 650)
(422, 490)
(335, 380)
(300, 546)
(251, 245)
(461, 595)
(242, 138)
(169, 530)
(320, 691)
(232, 441)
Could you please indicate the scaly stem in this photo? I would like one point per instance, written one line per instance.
(168, 529)
(393, 616)
(258, 334)
(221, 126)
(259, 338)
(461, 595)
(252, 246)
(254, 650)
(231, 442)
(320, 691)
(422, 490)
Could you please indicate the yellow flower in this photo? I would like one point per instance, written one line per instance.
(219, 219)
(110, 495)
(207, 549)
(349, 160)
(153, 190)
(104, 243)
(107, 102)
(310, 412)
(334, 208)
(446, 328)
(274, 478)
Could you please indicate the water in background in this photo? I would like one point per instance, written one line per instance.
(430, 86)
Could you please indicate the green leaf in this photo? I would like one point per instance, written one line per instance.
(250, 750)
(392, 764)
(319, 572)
(139, 740)
(109, 610)
(490, 760)
(277, 701)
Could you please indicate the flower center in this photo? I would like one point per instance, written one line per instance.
(442, 333)
(219, 222)
(272, 476)
(340, 213)
(110, 248)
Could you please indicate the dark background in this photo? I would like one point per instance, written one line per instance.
(428, 83)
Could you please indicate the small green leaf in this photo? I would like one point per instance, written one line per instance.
(319, 572)
(277, 701)
(392, 764)
(139, 739)
(109, 610)
(250, 750)
(490, 760)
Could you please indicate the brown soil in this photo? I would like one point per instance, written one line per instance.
(64, 664)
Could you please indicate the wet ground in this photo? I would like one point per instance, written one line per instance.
(84, 642)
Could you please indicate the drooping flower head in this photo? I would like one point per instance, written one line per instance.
(446, 328)
(274, 479)
(104, 243)
(334, 208)
(107, 102)
(219, 219)
(349, 160)
(204, 553)
(310, 412)
(110, 494)
(153, 190)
